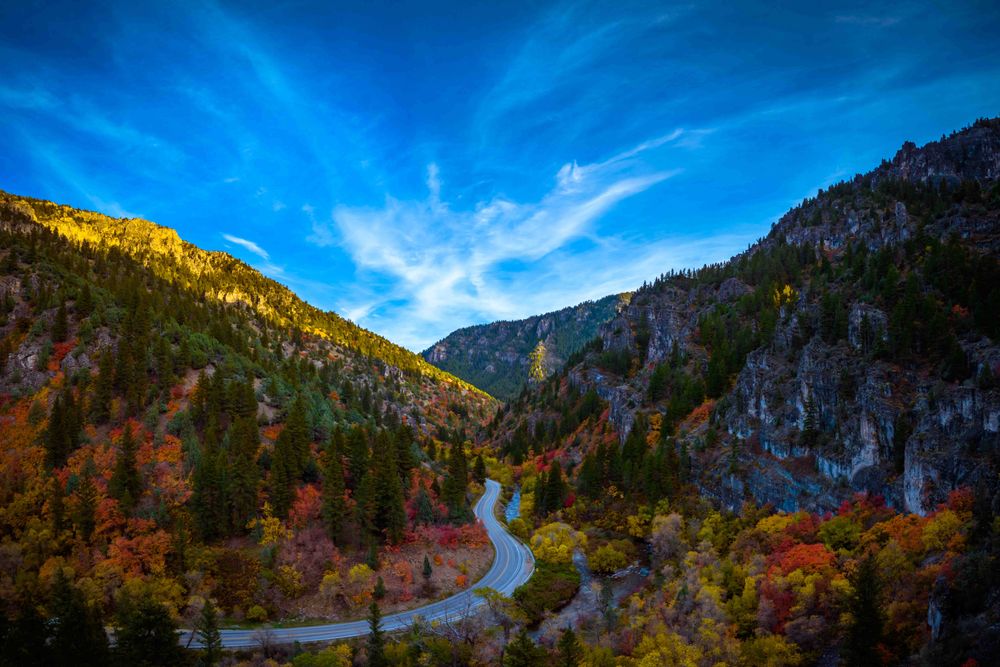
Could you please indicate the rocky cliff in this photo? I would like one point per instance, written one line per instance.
(502, 357)
(854, 348)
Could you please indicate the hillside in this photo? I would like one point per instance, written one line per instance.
(788, 434)
(503, 357)
(177, 428)
(215, 275)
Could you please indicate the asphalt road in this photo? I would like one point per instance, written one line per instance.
(512, 566)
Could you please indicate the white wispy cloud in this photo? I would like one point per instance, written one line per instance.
(112, 208)
(248, 245)
(439, 267)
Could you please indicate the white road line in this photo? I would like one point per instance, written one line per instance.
(512, 566)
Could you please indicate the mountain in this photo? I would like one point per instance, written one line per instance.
(216, 275)
(855, 348)
(175, 427)
(502, 357)
(802, 443)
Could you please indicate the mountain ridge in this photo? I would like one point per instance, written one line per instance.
(502, 357)
(852, 348)
(188, 264)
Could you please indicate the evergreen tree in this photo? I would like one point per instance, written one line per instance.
(427, 570)
(865, 630)
(376, 637)
(24, 642)
(390, 515)
(126, 480)
(77, 636)
(455, 484)
(207, 631)
(297, 434)
(522, 652)
(404, 453)
(100, 402)
(425, 509)
(60, 325)
(287, 461)
(589, 478)
(479, 469)
(57, 505)
(334, 502)
(357, 457)
(365, 509)
(244, 473)
(85, 301)
(62, 435)
(85, 511)
(145, 634)
(810, 425)
(208, 499)
(568, 653)
(555, 488)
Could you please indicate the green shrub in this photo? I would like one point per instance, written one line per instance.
(550, 589)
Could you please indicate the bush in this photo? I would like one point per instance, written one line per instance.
(550, 589)
(257, 614)
(607, 560)
(555, 542)
(519, 528)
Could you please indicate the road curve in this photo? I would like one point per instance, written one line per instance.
(512, 566)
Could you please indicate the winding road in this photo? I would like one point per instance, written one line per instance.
(512, 566)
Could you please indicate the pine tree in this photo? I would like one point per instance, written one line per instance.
(427, 570)
(334, 502)
(404, 453)
(568, 649)
(425, 509)
(207, 631)
(365, 509)
(62, 435)
(60, 325)
(244, 473)
(455, 484)
(376, 637)
(77, 635)
(85, 510)
(810, 425)
(145, 633)
(57, 505)
(297, 433)
(100, 402)
(285, 467)
(126, 480)
(865, 630)
(555, 488)
(390, 515)
(522, 652)
(208, 497)
(85, 301)
(357, 457)
(479, 469)
(24, 643)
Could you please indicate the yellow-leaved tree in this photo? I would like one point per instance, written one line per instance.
(555, 542)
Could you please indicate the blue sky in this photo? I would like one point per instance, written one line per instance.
(419, 167)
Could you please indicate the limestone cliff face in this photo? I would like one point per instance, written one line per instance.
(895, 427)
(497, 357)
